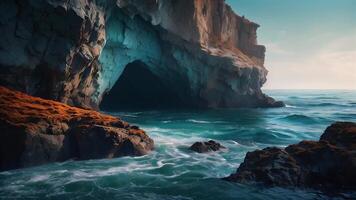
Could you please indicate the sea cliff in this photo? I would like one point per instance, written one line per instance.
(200, 52)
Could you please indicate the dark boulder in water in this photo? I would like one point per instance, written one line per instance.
(35, 131)
(204, 147)
(329, 163)
(270, 102)
(342, 135)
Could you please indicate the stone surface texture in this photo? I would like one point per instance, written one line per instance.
(74, 51)
(35, 131)
(329, 163)
(204, 147)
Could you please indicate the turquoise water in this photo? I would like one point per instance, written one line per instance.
(173, 172)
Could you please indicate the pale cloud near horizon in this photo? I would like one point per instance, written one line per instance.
(331, 66)
(277, 49)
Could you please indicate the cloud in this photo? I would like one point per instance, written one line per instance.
(331, 66)
(274, 48)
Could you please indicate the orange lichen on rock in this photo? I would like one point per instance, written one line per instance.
(21, 109)
(34, 131)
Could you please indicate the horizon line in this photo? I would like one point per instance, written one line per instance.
(351, 89)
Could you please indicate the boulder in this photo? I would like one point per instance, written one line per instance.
(329, 163)
(35, 131)
(204, 147)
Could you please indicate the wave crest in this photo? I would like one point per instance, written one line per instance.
(299, 118)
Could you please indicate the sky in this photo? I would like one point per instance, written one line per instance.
(311, 44)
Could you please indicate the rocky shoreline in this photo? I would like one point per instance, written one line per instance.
(67, 59)
(327, 164)
(36, 131)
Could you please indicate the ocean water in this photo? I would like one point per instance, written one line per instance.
(171, 171)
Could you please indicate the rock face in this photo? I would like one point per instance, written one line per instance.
(204, 147)
(35, 131)
(75, 51)
(327, 164)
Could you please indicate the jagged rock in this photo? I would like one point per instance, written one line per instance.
(326, 164)
(75, 51)
(341, 135)
(204, 147)
(35, 131)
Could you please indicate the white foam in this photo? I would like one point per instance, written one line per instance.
(156, 129)
(39, 178)
(290, 106)
(125, 169)
(198, 121)
(128, 115)
(170, 137)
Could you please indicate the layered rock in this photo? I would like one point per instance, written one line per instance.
(75, 51)
(35, 131)
(329, 163)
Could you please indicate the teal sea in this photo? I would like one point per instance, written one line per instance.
(171, 171)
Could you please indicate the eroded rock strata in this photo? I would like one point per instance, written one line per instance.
(329, 163)
(75, 51)
(35, 131)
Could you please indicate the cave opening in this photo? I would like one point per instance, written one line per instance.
(138, 88)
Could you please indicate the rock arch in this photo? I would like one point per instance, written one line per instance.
(205, 53)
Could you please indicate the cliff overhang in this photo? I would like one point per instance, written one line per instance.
(76, 51)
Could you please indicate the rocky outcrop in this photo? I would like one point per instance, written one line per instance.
(35, 131)
(204, 147)
(75, 51)
(329, 163)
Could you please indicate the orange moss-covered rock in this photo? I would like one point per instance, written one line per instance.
(35, 131)
(24, 110)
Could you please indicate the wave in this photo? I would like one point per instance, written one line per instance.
(39, 178)
(326, 104)
(128, 115)
(294, 97)
(198, 121)
(171, 137)
(206, 122)
(290, 106)
(327, 98)
(300, 118)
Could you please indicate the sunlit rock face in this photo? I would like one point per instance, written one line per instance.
(76, 51)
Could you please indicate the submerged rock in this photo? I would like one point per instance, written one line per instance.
(199, 52)
(204, 147)
(329, 163)
(35, 131)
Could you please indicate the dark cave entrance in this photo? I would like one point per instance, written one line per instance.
(139, 88)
